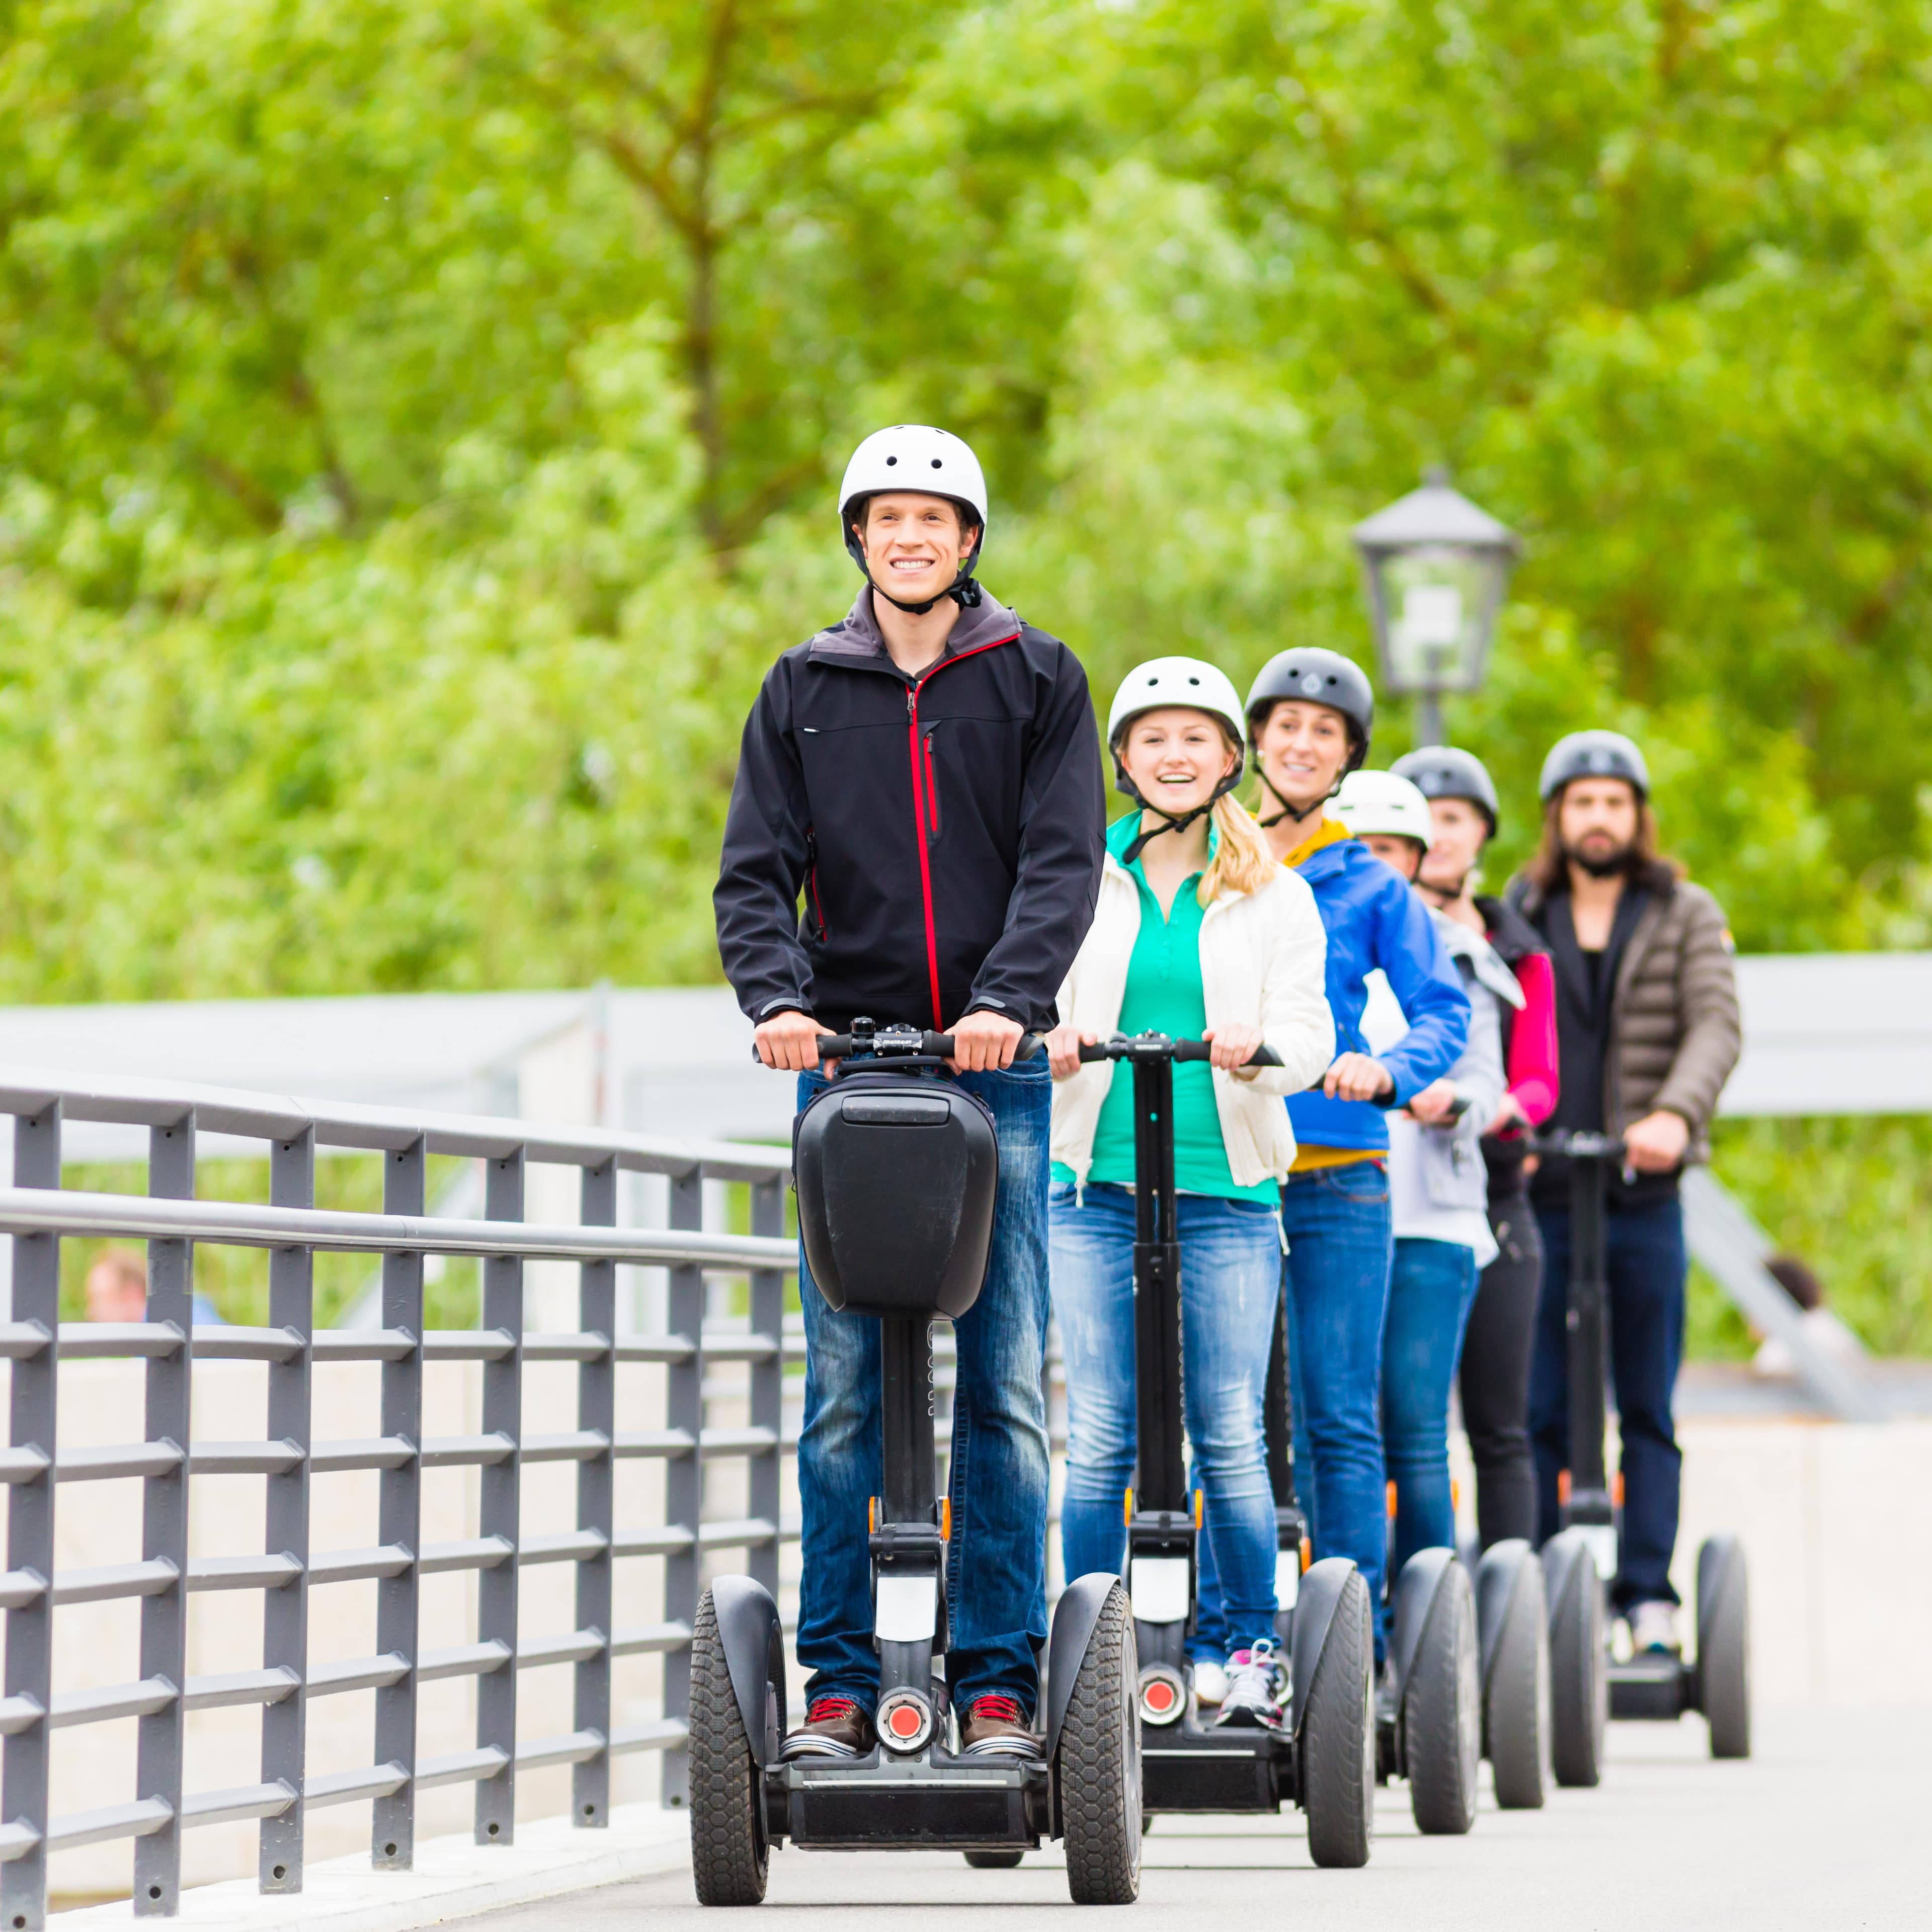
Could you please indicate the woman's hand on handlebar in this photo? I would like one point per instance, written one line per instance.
(788, 1041)
(1234, 1047)
(1356, 1076)
(983, 1042)
(1433, 1103)
(1062, 1049)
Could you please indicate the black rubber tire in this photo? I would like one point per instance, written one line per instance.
(993, 1860)
(1579, 1686)
(1515, 1699)
(1337, 1768)
(1723, 1649)
(730, 1852)
(1442, 1713)
(1100, 1764)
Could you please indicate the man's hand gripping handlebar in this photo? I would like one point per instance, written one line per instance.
(795, 1043)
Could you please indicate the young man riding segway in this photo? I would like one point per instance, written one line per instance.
(923, 778)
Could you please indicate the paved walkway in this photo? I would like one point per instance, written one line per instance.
(1825, 1827)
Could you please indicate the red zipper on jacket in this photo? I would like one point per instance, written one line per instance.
(919, 793)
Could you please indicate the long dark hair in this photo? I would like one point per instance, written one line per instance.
(1549, 871)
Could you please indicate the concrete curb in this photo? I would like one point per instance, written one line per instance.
(453, 1878)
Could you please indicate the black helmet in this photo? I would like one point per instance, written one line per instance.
(1439, 771)
(1319, 677)
(1593, 754)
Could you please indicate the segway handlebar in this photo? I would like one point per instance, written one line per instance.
(901, 1043)
(1576, 1146)
(1159, 1046)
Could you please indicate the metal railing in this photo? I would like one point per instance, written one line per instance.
(34, 1465)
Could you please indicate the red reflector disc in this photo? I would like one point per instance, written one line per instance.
(903, 1721)
(1159, 1696)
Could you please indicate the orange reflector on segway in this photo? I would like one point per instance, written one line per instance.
(871, 1515)
(1127, 1514)
(946, 1520)
(1198, 1495)
(1563, 1487)
(1391, 1501)
(1307, 1555)
(1455, 1493)
(1617, 1488)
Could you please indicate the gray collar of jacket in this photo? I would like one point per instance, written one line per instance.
(857, 638)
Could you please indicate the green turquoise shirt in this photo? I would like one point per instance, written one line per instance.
(1164, 995)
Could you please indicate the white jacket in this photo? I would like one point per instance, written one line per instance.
(1264, 956)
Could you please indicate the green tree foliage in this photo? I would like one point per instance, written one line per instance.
(417, 423)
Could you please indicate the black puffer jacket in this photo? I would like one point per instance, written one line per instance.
(945, 831)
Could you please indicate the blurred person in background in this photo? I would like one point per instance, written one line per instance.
(1647, 1034)
(1494, 1379)
(117, 1290)
(1822, 1329)
(1438, 1186)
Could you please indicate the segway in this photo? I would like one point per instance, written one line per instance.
(1323, 1759)
(1580, 1561)
(896, 1172)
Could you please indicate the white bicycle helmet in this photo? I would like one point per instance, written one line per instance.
(1164, 684)
(913, 456)
(1385, 804)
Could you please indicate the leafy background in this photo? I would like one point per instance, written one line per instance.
(418, 422)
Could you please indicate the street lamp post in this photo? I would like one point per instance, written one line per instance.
(1436, 568)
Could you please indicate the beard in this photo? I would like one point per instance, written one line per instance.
(1602, 862)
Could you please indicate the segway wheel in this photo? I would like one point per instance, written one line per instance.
(1516, 1700)
(1099, 1756)
(1579, 1691)
(1338, 1737)
(993, 1860)
(730, 1852)
(1723, 1645)
(1442, 1713)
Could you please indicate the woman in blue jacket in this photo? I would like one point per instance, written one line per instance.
(1310, 713)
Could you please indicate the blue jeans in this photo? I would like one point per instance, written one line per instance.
(996, 1563)
(1646, 1265)
(1230, 1288)
(1430, 1291)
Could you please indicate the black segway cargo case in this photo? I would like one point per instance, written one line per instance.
(897, 1175)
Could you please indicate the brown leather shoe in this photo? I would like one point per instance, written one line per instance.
(833, 1727)
(996, 1726)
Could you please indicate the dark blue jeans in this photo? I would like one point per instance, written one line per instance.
(996, 1564)
(1339, 1244)
(1230, 1293)
(1429, 1294)
(1646, 1268)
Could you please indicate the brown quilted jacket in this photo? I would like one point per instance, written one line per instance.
(1674, 1029)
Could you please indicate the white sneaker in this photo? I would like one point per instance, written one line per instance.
(1210, 1682)
(1254, 1680)
(1653, 1628)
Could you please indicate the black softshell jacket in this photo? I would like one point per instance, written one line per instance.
(945, 830)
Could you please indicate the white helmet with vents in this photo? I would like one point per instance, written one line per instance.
(913, 456)
(1386, 804)
(1163, 681)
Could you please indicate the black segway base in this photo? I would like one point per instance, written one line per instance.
(937, 1801)
(1659, 1689)
(1190, 1767)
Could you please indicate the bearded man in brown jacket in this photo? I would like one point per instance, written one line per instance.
(1647, 1034)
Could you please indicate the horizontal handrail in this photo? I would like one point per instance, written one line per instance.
(270, 1117)
(36, 1210)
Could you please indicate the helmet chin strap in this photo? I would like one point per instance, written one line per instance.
(965, 593)
(1167, 824)
(1295, 813)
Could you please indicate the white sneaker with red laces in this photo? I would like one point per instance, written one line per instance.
(1256, 1680)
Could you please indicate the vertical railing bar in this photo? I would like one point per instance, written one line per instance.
(684, 1476)
(767, 1378)
(596, 1409)
(285, 1611)
(32, 1415)
(164, 1504)
(392, 1843)
(500, 1508)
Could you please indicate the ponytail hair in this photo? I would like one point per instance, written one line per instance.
(1242, 862)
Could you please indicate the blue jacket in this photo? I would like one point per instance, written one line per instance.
(1374, 919)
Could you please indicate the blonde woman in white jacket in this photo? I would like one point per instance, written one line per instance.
(1197, 933)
